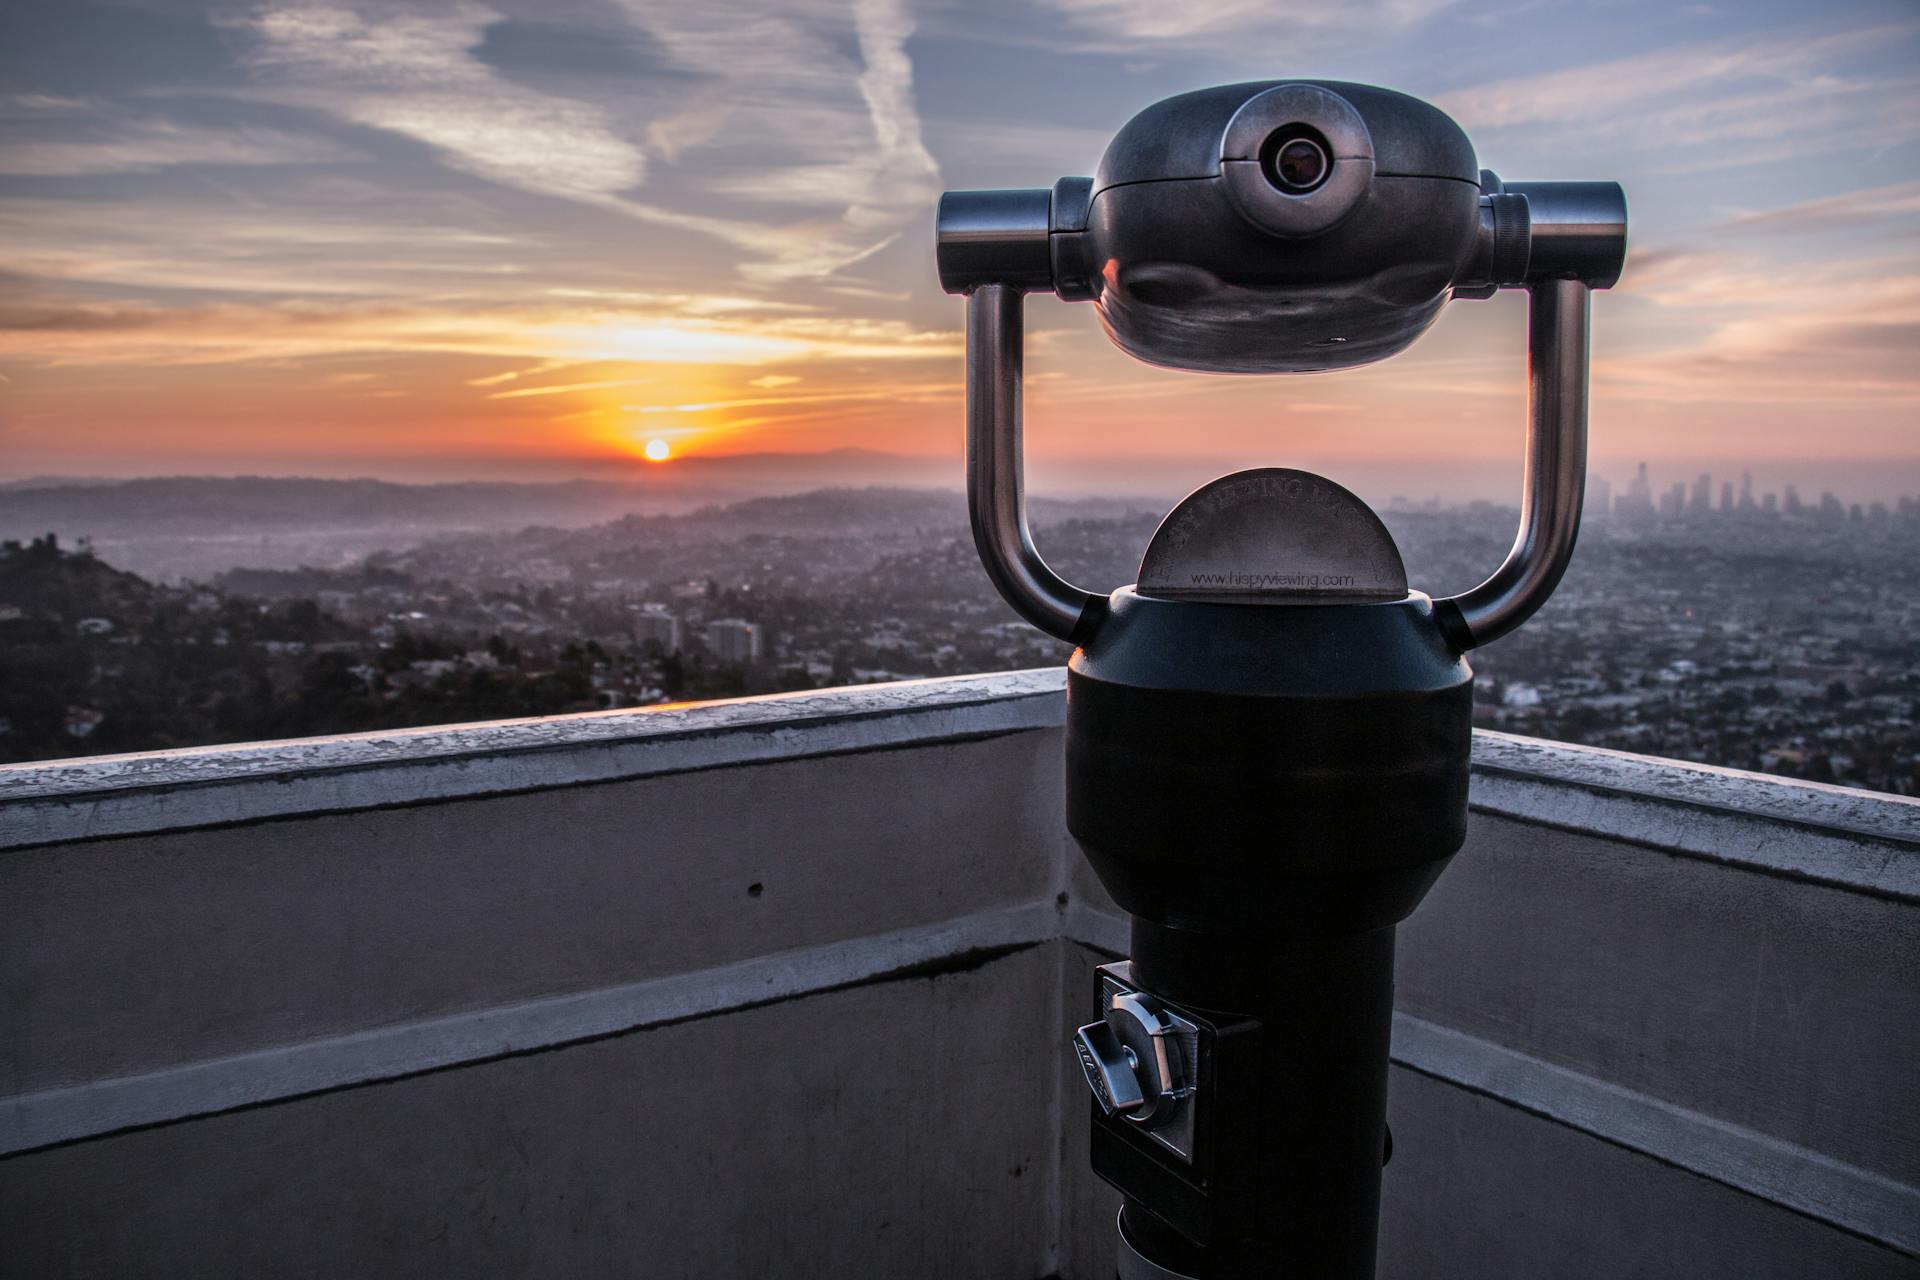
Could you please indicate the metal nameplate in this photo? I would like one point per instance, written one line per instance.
(1273, 536)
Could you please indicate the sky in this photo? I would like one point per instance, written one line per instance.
(518, 240)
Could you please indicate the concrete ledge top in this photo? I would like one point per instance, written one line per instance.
(1864, 841)
(812, 708)
(1759, 795)
(94, 797)
(1855, 839)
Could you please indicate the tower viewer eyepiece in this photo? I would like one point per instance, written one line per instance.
(1281, 227)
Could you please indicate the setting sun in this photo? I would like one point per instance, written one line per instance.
(657, 451)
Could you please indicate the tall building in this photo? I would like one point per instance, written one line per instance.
(1746, 491)
(1639, 490)
(734, 640)
(1637, 502)
(1792, 502)
(1702, 495)
(1674, 501)
(653, 623)
(1726, 497)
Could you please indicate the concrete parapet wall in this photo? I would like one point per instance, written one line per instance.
(1716, 972)
(782, 986)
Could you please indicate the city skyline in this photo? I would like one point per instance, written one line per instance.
(443, 241)
(1706, 493)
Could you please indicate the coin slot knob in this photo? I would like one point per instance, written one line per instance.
(1110, 1074)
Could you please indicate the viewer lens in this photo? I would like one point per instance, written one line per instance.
(1300, 164)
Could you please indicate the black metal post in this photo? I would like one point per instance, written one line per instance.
(1325, 1006)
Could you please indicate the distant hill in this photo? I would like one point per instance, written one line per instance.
(217, 503)
(173, 527)
(821, 537)
(847, 509)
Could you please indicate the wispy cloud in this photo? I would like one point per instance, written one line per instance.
(1038, 146)
(567, 388)
(1713, 104)
(320, 246)
(1122, 25)
(51, 102)
(514, 375)
(788, 119)
(940, 390)
(65, 331)
(693, 304)
(71, 137)
(1750, 333)
(1896, 205)
(1589, 92)
(781, 116)
(415, 74)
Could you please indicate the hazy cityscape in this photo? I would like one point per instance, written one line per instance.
(1701, 620)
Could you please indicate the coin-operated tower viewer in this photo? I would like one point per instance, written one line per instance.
(1268, 734)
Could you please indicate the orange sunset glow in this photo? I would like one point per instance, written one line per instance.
(443, 243)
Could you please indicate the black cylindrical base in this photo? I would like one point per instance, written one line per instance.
(1268, 789)
(1326, 1007)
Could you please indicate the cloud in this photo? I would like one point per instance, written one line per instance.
(150, 145)
(1123, 25)
(1583, 93)
(57, 137)
(566, 388)
(1731, 327)
(699, 121)
(58, 330)
(1035, 146)
(943, 390)
(695, 304)
(514, 375)
(788, 118)
(1711, 104)
(787, 251)
(301, 242)
(49, 102)
(1897, 204)
(781, 115)
(415, 74)
(1720, 330)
